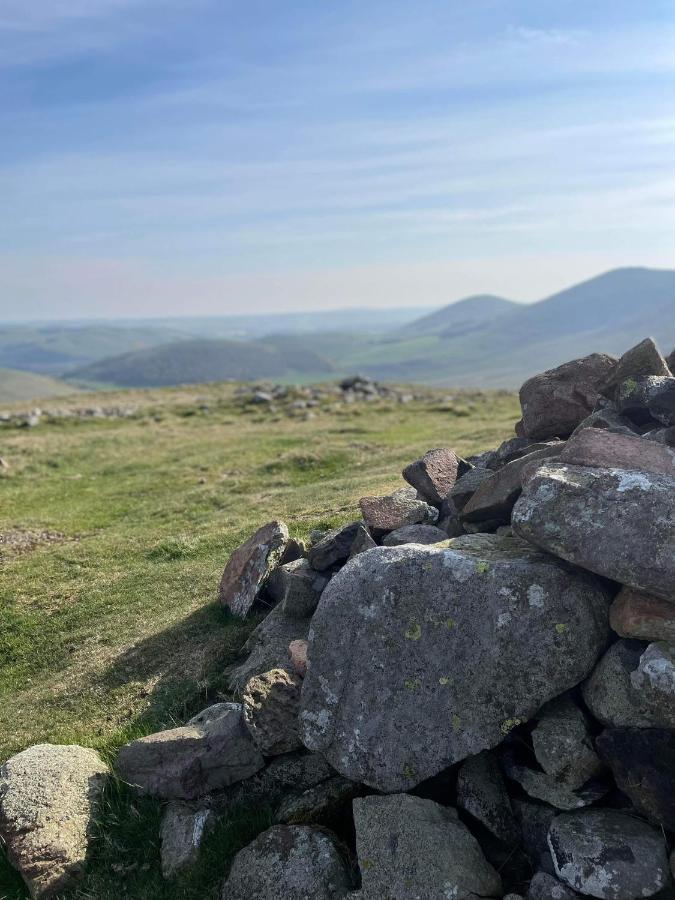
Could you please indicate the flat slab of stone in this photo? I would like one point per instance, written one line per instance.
(608, 854)
(556, 401)
(395, 510)
(600, 448)
(249, 567)
(49, 800)
(293, 862)
(422, 656)
(410, 848)
(414, 534)
(615, 522)
(642, 617)
(211, 752)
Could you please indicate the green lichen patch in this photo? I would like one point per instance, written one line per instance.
(414, 632)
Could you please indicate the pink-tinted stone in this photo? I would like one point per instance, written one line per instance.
(396, 510)
(637, 615)
(297, 650)
(250, 565)
(434, 474)
(606, 449)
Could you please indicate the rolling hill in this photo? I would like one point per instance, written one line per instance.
(195, 361)
(16, 387)
(459, 318)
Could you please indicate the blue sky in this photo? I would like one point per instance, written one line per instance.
(207, 156)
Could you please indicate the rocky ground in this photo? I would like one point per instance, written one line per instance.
(467, 693)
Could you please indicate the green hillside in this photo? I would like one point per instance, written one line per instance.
(190, 362)
(17, 387)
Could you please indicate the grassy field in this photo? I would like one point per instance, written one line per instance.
(113, 535)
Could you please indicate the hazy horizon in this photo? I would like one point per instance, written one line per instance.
(165, 158)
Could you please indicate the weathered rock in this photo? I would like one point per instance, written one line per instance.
(362, 542)
(661, 435)
(481, 792)
(607, 419)
(604, 449)
(49, 799)
(297, 651)
(643, 763)
(414, 534)
(642, 399)
(545, 887)
(250, 565)
(615, 522)
(641, 616)
(300, 588)
(643, 359)
(317, 805)
(284, 776)
(435, 474)
(205, 755)
(608, 854)
(334, 547)
(556, 401)
(449, 520)
(271, 704)
(410, 848)
(544, 787)
(466, 486)
(293, 862)
(563, 744)
(267, 647)
(494, 500)
(535, 820)
(181, 834)
(422, 656)
(511, 449)
(396, 510)
(634, 686)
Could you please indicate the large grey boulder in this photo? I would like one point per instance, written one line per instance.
(615, 522)
(212, 751)
(271, 704)
(249, 567)
(556, 401)
(634, 685)
(481, 792)
(49, 800)
(422, 656)
(608, 854)
(395, 510)
(435, 474)
(643, 763)
(289, 862)
(410, 848)
(643, 359)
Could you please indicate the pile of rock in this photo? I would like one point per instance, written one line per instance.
(30, 418)
(468, 693)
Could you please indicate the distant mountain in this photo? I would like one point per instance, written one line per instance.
(17, 387)
(459, 318)
(194, 361)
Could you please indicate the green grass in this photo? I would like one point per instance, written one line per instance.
(112, 629)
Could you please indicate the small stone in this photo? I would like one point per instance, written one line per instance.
(607, 419)
(49, 800)
(641, 616)
(414, 534)
(293, 862)
(318, 805)
(643, 359)
(556, 401)
(481, 792)
(396, 510)
(181, 834)
(207, 754)
(435, 474)
(545, 887)
(297, 650)
(466, 486)
(563, 744)
(249, 567)
(608, 854)
(362, 542)
(410, 848)
(544, 787)
(634, 686)
(271, 704)
(300, 587)
(643, 763)
(334, 547)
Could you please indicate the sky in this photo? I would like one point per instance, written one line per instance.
(206, 157)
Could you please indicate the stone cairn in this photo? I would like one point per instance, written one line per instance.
(468, 694)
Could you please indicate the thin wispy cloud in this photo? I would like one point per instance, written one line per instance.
(214, 143)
